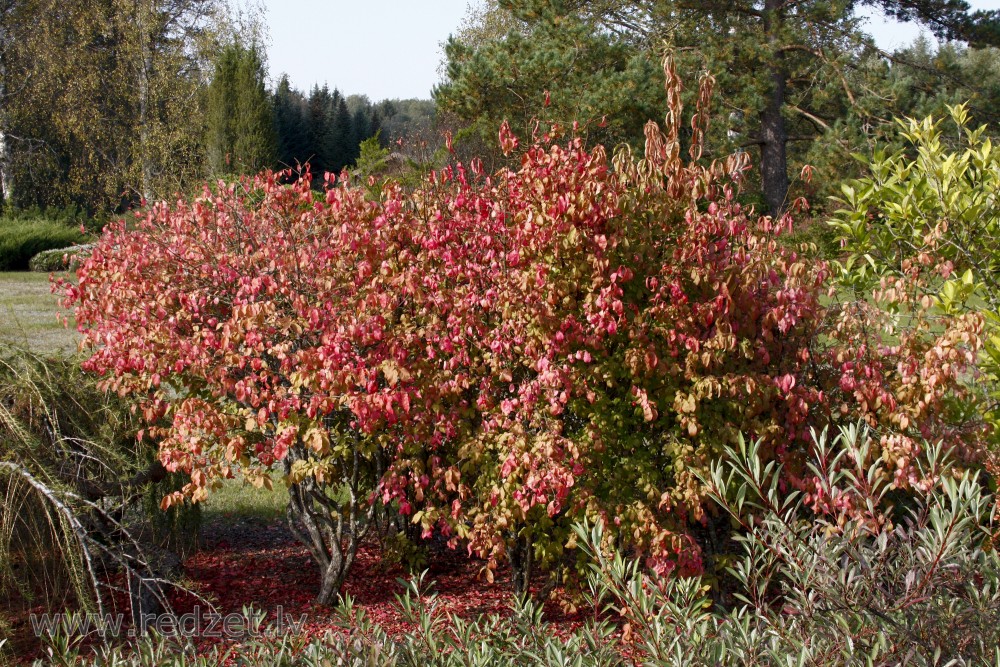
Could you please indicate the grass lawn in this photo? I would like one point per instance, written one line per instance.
(28, 314)
(237, 499)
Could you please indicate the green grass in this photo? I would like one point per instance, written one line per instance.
(28, 315)
(238, 499)
(22, 239)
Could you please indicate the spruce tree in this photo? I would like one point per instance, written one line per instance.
(320, 101)
(375, 126)
(291, 121)
(360, 130)
(342, 149)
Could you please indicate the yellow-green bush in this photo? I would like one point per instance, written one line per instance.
(926, 220)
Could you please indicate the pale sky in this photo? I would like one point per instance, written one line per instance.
(380, 48)
(891, 34)
(392, 48)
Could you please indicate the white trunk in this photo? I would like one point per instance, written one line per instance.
(144, 132)
(6, 180)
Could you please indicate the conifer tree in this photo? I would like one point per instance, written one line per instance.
(241, 132)
(320, 101)
(341, 136)
(291, 119)
(790, 70)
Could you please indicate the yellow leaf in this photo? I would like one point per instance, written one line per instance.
(317, 439)
(394, 373)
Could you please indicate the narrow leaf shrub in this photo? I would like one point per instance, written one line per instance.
(917, 586)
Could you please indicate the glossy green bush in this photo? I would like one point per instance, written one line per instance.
(60, 259)
(925, 223)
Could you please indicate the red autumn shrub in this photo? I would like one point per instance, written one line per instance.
(502, 356)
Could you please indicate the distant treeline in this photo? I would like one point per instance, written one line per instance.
(100, 110)
(325, 128)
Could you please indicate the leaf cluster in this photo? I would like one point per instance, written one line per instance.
(501, 355)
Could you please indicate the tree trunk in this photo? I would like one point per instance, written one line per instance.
(773, 149)
(331, 579)
(145, 72)
(773, 133)
(519, 554)
(330, 529)
(308, 517)
(151, 567)
(6, 178)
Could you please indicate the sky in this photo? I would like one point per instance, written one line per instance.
(393, 48)
(891, 34)
(381, 48)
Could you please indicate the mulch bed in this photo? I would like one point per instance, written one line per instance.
(247, 562)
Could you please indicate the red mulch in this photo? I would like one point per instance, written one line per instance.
(264, 567)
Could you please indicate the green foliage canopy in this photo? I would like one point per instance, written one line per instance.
(926, 221)
(99, 99)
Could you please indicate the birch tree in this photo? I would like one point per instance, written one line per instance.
(102, 103)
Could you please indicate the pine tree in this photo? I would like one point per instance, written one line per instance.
(791, 70)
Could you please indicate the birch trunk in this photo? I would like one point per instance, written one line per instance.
(6, 179)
